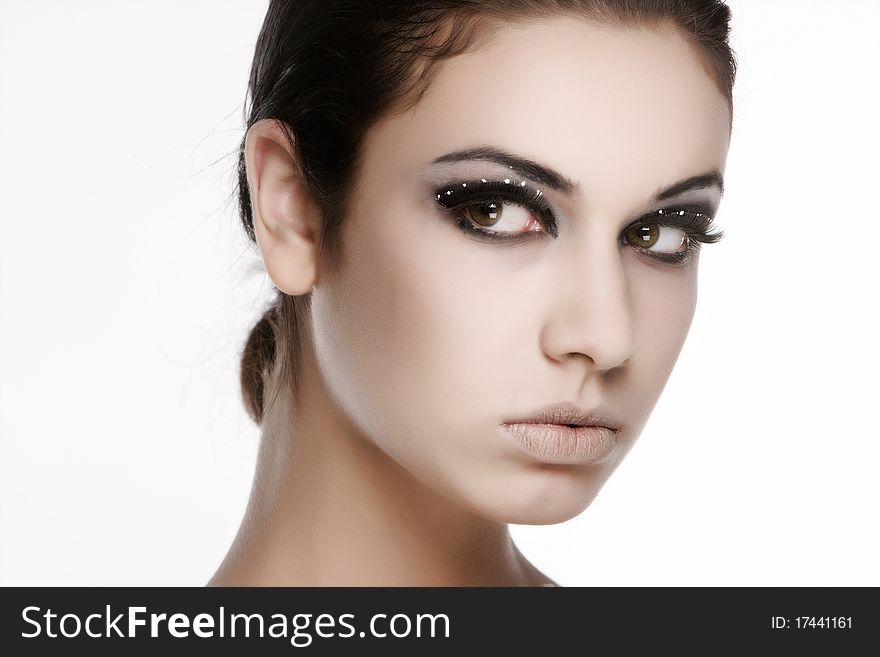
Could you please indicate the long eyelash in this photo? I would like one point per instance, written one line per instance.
(459, 196)
(694, 220)
(696, 224)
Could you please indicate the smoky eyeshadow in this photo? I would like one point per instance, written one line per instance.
(469, 191)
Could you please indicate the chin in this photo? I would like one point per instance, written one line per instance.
(546, 495)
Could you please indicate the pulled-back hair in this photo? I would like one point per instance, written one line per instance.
(327, 70)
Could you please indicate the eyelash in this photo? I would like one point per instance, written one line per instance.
(693, 220)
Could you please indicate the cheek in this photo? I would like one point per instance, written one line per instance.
(409, 317)
(664, 301)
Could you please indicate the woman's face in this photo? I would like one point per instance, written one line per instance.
(430, 337)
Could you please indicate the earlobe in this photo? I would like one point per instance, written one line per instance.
(285, 216)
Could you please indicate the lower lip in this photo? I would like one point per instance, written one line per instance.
(561, 444)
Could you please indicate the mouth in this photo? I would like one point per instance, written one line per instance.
(569, 415)
(563, 444)
(564, 433)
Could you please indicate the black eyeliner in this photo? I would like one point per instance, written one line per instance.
(694, 219)
(459, 195)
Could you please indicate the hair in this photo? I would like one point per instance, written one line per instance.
(327, 70)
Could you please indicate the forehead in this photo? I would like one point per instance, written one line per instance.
(621, 111)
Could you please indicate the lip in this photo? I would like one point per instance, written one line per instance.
(569, 413)
(565, 434)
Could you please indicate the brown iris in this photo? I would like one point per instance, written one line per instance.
(485, 214)
(644, 235)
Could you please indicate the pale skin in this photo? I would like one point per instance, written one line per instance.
(393, 470)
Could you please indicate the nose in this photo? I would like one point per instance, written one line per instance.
(589, 313)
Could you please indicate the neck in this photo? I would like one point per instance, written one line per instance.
(330, 508)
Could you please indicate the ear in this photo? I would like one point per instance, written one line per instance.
(286, 218)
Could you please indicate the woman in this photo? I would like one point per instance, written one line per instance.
(483, 221)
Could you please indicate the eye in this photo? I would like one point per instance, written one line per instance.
(500, 210)
(655, 237)
(672, 236)
(502, 217)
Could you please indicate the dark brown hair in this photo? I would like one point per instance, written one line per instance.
(328, 69)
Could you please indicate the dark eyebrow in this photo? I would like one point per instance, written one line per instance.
(524, 167)
(711, 179)
(547, 176)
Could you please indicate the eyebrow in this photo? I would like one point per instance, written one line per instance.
(547, 176)
(524, 167)
(703, 181)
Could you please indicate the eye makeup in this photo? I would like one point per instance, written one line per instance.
(692, 221)
(460, 196)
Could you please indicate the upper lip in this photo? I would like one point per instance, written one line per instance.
(569, 413)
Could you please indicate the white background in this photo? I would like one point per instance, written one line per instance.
(127, 289)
